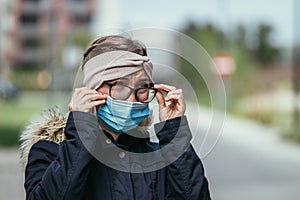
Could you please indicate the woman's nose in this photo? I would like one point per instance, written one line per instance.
(132, 98)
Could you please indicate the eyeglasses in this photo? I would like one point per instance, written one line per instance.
(144, 93)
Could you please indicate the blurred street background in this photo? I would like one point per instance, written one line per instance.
(255, 46)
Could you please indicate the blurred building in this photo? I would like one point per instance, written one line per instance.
(39, 27)
(7, 24)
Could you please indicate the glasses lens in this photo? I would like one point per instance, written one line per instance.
(145, 94)
(120, 92)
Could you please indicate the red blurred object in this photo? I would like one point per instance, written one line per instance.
(224, 65)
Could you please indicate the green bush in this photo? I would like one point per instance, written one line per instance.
(15, 114)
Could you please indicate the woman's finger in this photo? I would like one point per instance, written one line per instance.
(164, 87)
(95, 103)
(99, 102)
(87, 106)
(160, 99)
(174, 94)
(177, 100)
(78, 91)
(84, 99)
(92, 97)
(81, 94)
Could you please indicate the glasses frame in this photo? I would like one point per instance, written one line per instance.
(151, 86)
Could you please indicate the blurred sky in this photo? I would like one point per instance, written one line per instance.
(120, 15)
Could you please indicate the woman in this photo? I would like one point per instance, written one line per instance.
(106, 153)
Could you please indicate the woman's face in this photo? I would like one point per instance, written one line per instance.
(134, 80)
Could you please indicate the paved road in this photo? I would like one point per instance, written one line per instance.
(248, 162)
(11, 175)
(251, 162)
(236, 173)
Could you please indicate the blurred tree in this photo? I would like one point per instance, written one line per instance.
(210, 37)
(81, 37)
(212, 40)
(265, 52)
(239, 36)
(70, 56)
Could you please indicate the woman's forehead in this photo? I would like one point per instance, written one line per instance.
(136, 76)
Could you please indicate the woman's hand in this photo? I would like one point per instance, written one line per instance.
(84, 99)
(175, 108)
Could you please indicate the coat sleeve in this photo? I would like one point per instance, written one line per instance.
(59, 171)
(185, 178)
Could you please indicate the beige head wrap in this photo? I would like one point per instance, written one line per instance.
(112, 65)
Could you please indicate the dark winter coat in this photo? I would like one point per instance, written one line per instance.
(62, 166)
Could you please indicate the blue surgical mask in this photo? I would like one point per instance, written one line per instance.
(121, 116)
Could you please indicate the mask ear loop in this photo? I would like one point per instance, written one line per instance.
(93, 110)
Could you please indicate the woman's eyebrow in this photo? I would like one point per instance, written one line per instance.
(144, 80)
(123, 79)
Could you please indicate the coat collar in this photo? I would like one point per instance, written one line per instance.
(50, 127)
(127, 140)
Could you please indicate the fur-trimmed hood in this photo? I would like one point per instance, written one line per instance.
(50, 127)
